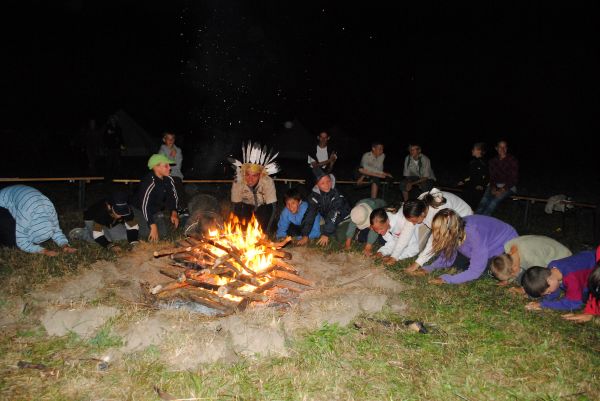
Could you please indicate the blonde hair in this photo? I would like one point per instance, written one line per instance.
(448, 231)
(501, 267)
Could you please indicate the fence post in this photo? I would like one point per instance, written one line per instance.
(81, 194)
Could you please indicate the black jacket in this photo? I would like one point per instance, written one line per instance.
(478, 173)
(156, 194)
(332, 206)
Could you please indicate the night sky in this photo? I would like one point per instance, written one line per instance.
(443, 74)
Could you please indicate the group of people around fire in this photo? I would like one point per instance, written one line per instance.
(437, 228)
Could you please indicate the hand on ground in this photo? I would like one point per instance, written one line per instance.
(378, 255)
(417, 273)
(413, 267)
(324, 240)
(535, 305)
(175, 218)
(348, 244)
(68, 249)
(436, 281)
(517, 290)
(48, 252)
(302, 241)
(153, 237)
(577, 317)
(368, 251)
(388, 261)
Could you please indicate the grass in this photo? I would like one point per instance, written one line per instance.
(482, 345)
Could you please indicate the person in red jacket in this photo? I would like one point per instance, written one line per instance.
(592, 306)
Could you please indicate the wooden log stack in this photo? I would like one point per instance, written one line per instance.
(226, 283)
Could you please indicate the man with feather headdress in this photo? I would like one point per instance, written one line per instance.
(253, 191)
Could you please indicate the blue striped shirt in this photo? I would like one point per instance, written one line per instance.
(35, 216)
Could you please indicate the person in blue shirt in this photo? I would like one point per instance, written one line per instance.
(28, 218)
(290, 221)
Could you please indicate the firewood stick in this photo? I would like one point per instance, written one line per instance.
(174, 274)
(289, 287)
(276, 245)
(200, 292)
(291, 277)
(278, 253)
(266, 286)
(284, 265)
(173, 285)
(186, 265)
(231, 253)
(182, 255)
(183, 295)
(249, 280)
(171, 251)
(227, 288)
(249, 295)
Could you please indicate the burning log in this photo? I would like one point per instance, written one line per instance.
(285, 266)
(181, 294)
(276, 245)
(173, 285)
(231, 253)
(291, 277)
(278, 253)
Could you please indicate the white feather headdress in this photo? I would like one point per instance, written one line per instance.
(254, 154)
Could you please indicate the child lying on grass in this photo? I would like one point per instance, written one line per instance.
(568, 274)
(592, 307)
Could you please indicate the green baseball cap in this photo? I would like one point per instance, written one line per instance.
(158, 159)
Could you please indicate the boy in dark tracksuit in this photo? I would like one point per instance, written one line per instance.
(327, 202)
(156, 202)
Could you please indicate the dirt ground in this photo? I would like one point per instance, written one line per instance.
(115, 295)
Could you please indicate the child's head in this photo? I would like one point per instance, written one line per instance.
(434, 198)
(379, 221)
(292, 199)
(478, 150)
(501, 267)
(377, 148)
(539, 281)
(594, 283)
(415, 211)
(448, 232)
(169, 138)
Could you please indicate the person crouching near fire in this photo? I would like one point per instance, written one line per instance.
(391, 227)
(156, 203)
(253, 191)
(330, 204)
(108, 221)
(27, 219)
(290, 220)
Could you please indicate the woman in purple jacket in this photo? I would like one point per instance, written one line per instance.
(476, 238)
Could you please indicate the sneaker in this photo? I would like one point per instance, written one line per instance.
(76, 233)
(183, 212)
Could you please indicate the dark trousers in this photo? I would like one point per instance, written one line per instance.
(264, 214)
(8, 229)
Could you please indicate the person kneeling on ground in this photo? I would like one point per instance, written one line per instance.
(329, 203)
(108, 221)
(476, 239)
(592, 306)
(568, 274)
(391, 226)
(156, 196)
(360, 218)
(524, 252)
(27, 219)
(290, 220)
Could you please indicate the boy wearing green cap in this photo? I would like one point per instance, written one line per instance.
(156, 202)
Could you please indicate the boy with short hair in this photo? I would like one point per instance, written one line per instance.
(290, 220)
(371, 165)
(568, 274)
(389, 226)
(524, 252)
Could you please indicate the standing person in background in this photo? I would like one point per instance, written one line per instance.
(371, 165)
(504, 176)
(173, 152)
(113, 145)
(475, 182)
(417, 172)
(27, 219)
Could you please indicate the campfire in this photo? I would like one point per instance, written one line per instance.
(229, 269)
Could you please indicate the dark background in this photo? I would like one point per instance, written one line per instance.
(217, 72)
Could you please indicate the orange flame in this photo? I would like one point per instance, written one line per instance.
(245, 240)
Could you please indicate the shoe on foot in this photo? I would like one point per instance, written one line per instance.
(76, 233)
